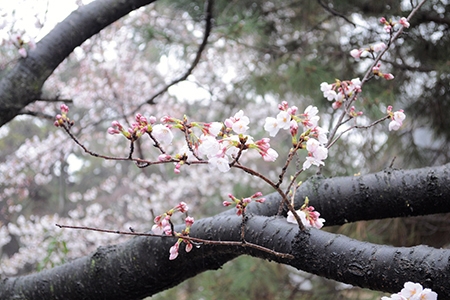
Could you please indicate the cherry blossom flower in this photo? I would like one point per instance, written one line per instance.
(328, 91)
(221, 163)
(320, 134)
(316, 153)
(308, 216)
(311, 118)
(356, 53)
(239, 123)
(397, 119)
(413, 291)
(379, 47)
(263, 147)
(174, 250)
(214, 128)
(162, 134)
(355, 84)
(182, 207)
(273, 125)
(208, 145)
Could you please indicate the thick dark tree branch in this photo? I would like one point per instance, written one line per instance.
(23, 84)
(141, 266)
(386, 194)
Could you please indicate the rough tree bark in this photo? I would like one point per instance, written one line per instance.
(140, 267)
(23, 84)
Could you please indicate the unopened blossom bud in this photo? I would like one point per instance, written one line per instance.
(112, 130)
(382, 20)
(189, 221)
(379, 47)
(292, 110)
(256, 195)
(356, 53)
(226, 203)
(188, 247)
(336, 104)
(164, 157)
(64, 109)
(388, 76)
(182, 207)
(404, 22)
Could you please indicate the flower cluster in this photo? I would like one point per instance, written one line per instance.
(222, 143)
(396, 117)
(164, 225)
(314, 135)
(175, 248)
(162, 222)
(241, 204)
(389, 25)
(340, 91)
(363, 52)
(62, 120)
(413, 291)
(308, 216)
(160, 132)
(376, 71)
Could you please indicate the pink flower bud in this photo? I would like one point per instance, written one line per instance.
(113, 131)
(189, 247)
(356, 53)
(164, 157)
(388, 76)
(404, 22)
(182, 207)
(23, 52)
(189, 221)
(379, 47)
(382, 20)
(64, 109)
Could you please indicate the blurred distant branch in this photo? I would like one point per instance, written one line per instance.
(335, 12)
(208, 26)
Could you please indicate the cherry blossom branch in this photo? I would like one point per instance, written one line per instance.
(370, 71)
(187, 238)
(285, 200)
(291, 154)
(357, 127)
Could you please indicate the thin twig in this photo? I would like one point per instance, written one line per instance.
(208, 26)
(132, 232)
(335, 12)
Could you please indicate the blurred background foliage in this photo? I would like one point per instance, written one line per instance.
(259, 54)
